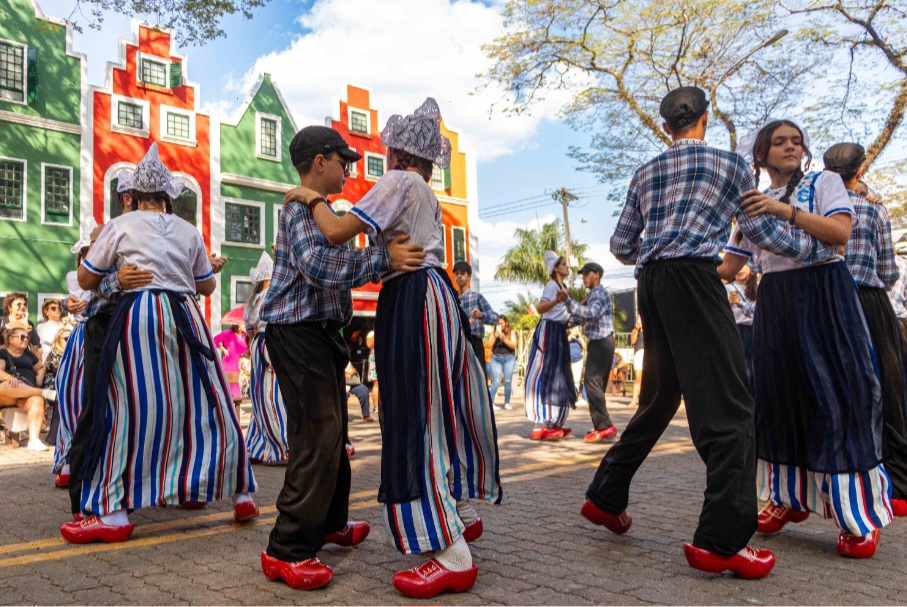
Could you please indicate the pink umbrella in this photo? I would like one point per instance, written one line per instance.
(233, 317)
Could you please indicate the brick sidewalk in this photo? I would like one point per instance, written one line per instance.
(536, 548)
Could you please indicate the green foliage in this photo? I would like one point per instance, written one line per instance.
(192, 21)
(890, 181)
(524, 262)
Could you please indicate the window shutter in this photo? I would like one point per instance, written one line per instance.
(31, 86)
(175, 75)
(447, 178)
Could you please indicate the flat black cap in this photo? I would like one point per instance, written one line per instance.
(683, 106)
(314, 140)
(591, 266)
(462, 265)
(844, 158)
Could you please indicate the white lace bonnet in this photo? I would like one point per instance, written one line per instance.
(419, 134)
(152, 175)
(263, 270)
(745, 144)
(551, 260)
(85, 238)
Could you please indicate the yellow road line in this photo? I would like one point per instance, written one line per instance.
(525, 472)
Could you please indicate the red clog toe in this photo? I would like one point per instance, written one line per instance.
(750, 563)
(474, 531)
(62, 481)
(301, 575)
(859, 546)
(92, 529)
(244, 511)
(616, 523)
(537, 433)
(431, 578)
(354, 533)
(552, 434)
(772, 518)
(899, 507)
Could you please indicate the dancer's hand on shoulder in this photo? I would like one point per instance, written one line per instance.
(301, 194)
(405, 257)
(756, 203)
(131, 277)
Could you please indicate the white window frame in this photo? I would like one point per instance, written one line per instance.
(116, 127)
(192, 184)
(444, 244)
(353, 164)
(277, 208)
(166, 110)
(465, 243)
(349, 120)
(259, 116)
(24, 162)
(234, 281)
(365, 158)
(434, 168)
(72, 202)
(24, 72)
(140, 57)
(261, 221)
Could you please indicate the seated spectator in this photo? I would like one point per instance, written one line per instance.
(619, 372)
(22, 373)
(51, 323)
(360, 391)
(15, 306)
(51, 365)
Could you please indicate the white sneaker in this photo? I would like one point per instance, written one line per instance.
(49, 395)
(495, 407)
(507, 407)
(36, 444)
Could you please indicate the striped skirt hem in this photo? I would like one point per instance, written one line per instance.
(266, 436)
(68, 384)
(550, 390)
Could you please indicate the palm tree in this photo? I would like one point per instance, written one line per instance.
(525, 263)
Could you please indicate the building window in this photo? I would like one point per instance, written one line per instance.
(437, 177)
(130, 115)
(243, 224)
(178, 125)
(358, 122)
(12, 72)
(57, 194)
(12, 189)
(154, 72)
(241, 289)
(268, 137)
(186, 206)
(459, 243)
(374, 166)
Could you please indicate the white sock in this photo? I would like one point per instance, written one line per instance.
(241, 497)
(64, 469)
(467, 512)
(117, 518)
(456, 557)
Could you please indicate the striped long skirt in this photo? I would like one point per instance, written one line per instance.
(550, 391)
(858, 502)
(166, 439)
(266, 436)
(68, 384)
(440, 440)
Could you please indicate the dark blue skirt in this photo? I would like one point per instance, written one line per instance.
(817, 391)
(549, 373)
(746, 337)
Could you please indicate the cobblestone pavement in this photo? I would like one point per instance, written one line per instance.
(536, 548)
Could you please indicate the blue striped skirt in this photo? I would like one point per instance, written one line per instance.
(440, 440)
(816, 384)
(550, 391)
(858, 502)
(164, 441)
(68, 384)
(266, 436)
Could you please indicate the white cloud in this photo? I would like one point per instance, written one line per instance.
(402, 51)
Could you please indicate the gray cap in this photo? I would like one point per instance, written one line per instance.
(592, 267)
(844, 158)
(683, 106)
(462, 265)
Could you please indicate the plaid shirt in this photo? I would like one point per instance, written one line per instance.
(472, 300)
(870, 254)
(681, 203)
(595, 314)
(109, 291)
(312, 278)
(898, 293)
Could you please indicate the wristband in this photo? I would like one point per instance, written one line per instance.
(793, 215)
(315, 202)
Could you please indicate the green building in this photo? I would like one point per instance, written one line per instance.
(42, 83)
(251, 172)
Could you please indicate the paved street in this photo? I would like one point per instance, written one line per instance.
(536, 548)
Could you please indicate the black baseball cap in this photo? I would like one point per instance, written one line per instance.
(683, 106)
(462, 265)
(844, 158)
(592, 267)
(314, 140)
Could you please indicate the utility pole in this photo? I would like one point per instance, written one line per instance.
(564, 197)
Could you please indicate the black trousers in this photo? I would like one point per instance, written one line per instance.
(309, 359)
(478, 347)
(599, 356)
(95, 331)
(692, 349)
(886, 340)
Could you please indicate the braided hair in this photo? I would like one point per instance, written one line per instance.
(760, 152)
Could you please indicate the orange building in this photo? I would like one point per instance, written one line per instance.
(146, 98)
(359, 124)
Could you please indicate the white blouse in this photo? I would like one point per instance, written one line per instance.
(170, 247)
(559, 312)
